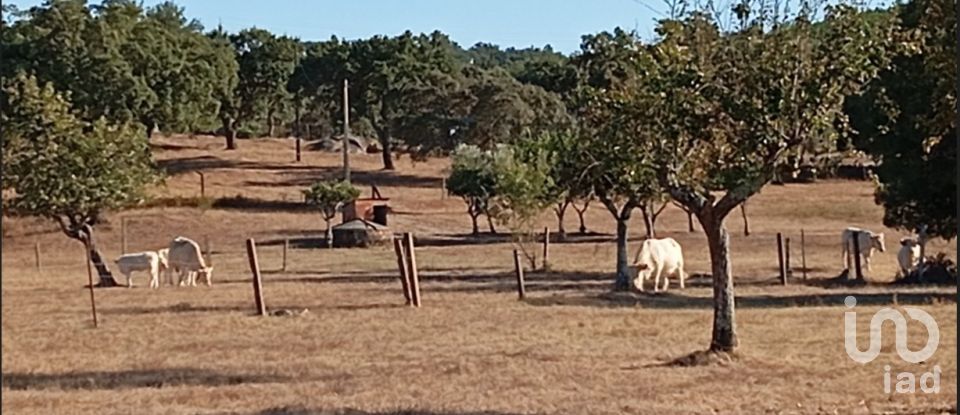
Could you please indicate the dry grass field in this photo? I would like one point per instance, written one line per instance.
(572, 347)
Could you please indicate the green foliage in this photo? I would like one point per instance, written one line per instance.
(906, 120)
(60, 167)
(265, 63)
(120, 61)
(472, 178)
(329, 196)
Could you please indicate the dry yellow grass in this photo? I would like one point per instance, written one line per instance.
(572, 347)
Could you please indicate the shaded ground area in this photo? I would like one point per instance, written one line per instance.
(156, 378)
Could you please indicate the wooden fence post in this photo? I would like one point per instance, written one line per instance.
(36, 252)
(783, 268)
(786, 254)
(518, 268)
(257, 284)
(402, 265)
(123, 235)
(803, 254)
(93, 300)
(203, 185)
(298, 149)
(286, 246)
(412, 269)
(443, 188)
(546, 248)
(856, 256)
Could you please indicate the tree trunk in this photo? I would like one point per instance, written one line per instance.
(724, 338)
(648, 221)
(623, 219)
(103, 271)
(387, 147)
(580, 213)
(623, 272)
(476, 229)
(230, 133)
(561, 210)
(329, 234)
(271, 124)
(490, 224)
(746, 223)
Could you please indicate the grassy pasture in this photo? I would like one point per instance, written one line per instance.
(571, 348)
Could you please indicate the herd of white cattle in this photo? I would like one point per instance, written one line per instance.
(663, 258)
(182, 255)
(656, 259)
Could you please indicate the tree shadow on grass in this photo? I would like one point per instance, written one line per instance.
(298, 410)
(672, 300)
(152, 378)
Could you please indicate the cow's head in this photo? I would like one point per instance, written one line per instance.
(876, 241)
(908, 241)
(207, 274)
(642, 271)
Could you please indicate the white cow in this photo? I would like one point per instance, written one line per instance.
(659, 257)
(909, 256)
(141, 261)
(184, 256)
(868, 241)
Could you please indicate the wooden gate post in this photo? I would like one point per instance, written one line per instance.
(518, 268)
(257, 284)
(203, 185)
(412, 269)
(402, 265)
(783, 268)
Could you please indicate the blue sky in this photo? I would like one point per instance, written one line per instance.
(518, 23)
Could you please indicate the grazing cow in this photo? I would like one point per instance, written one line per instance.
(184, 256)
(868, 241)
(140, 261)
(909, 256)
(656, 258)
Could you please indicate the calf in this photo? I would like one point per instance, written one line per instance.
(659, 257)
(184, 256)
(140, 261)
(908, 257)
(867, 240)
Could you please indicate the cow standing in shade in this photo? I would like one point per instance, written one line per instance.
(908, 257)
(656, 258)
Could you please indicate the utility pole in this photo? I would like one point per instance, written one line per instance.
(346, 132)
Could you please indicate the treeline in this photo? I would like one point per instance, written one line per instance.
(155, 66)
